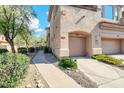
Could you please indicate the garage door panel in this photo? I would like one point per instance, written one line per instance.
(76, 46)
(111, 46)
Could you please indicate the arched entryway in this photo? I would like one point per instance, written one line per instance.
(77, 43)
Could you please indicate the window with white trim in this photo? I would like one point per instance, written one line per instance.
(110, 12)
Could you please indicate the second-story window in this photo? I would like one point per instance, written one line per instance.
(110, 12)
(107, 12)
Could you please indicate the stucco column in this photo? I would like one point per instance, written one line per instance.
(64, 44)
(89, 45)
(122, 46)
(96, 44)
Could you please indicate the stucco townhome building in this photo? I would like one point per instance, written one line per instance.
(84, 30)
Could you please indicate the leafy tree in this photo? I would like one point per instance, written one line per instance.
(26, 36)
(19, 41)
(42, 40)
(38, 40)
(12, 20)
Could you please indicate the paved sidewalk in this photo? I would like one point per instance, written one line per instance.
(53, 76)
(103, 74)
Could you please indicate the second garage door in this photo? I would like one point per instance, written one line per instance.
(76, 46)
(111, 46)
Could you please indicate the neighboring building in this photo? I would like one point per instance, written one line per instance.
(84, 30)
(5, 44)
(47, 36)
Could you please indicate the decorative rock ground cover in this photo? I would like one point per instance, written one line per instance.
(80, 78)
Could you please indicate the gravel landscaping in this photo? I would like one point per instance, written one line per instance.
(33, 79)
(80, 78)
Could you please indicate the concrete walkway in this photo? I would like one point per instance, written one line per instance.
(53, 76)
(103, 74)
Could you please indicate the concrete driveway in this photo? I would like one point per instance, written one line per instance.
(103, 74)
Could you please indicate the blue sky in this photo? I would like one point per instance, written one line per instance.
(42, 15)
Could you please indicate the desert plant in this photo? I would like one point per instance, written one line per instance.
(107, 59)
(31, 49)
(3, 50)
(67, 62)
(12, 68)
(46, 49)
(22, 50)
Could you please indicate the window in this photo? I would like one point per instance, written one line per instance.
(110, 12)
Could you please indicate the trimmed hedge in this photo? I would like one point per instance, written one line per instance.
(31, 49)
(22, 50)
(12, 68)
(3, 50)
(107, 59)
(67, 62)
(46, 49)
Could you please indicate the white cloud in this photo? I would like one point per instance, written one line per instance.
(39, 30)
(35, 25)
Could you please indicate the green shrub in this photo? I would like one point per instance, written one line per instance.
(107, 59)
(22, 50)
(12, 68)
(31, 49)
(46, 49)
(3, 50)
(67, 62)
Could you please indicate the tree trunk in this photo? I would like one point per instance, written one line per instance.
(12, 46)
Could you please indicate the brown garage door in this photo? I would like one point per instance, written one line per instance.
(111, 46)
(76, 46)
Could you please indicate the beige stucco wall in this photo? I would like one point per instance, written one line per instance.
(55, 33)
(77, 19)
(71, 19)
